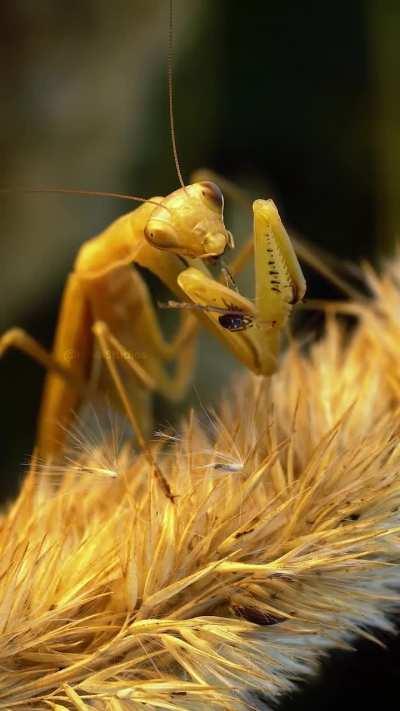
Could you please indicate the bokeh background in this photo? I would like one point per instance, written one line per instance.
(297, 101)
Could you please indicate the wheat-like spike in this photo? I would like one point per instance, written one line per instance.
(112, 597)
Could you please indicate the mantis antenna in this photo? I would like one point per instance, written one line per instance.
(121, 196)
(81, 193)
(170, 91)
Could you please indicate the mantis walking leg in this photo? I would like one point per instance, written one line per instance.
(131, 338)
(21, 340)
(163, 235)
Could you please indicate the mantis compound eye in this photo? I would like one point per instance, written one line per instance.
(212, 192)
(161, 235)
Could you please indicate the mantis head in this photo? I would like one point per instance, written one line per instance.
(190, 222)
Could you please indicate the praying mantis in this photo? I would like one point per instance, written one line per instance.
(106, 308)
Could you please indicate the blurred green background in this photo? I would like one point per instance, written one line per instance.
(296, 101)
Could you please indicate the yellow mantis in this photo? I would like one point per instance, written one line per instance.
(106, 307)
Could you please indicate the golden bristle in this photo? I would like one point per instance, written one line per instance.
(282, 541)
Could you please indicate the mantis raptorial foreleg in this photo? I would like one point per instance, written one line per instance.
(325, 264)
(252, 330)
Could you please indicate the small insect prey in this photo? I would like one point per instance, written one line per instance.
(229, 317)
